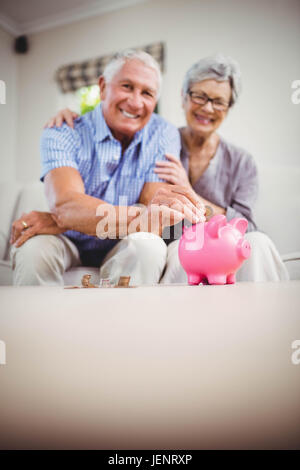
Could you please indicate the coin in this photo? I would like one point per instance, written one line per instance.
(85, 281)
(124, 281)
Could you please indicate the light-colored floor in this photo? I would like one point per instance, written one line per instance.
(151, 367)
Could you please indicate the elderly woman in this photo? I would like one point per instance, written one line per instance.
(224, 176)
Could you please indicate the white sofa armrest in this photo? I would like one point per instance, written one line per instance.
(292, 263)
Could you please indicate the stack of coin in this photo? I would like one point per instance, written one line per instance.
(85, 281)
(124, 281)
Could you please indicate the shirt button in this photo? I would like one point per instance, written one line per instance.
(116, 157)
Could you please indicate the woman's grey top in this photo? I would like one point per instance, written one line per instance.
(230, 181)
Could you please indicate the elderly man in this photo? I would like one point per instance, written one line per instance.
(94, 174)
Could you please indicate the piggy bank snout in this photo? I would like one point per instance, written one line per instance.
(244, 248)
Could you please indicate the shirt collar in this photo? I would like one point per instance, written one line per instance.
(102, 131)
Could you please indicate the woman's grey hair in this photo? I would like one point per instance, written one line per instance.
(120, 58)
(217, 67)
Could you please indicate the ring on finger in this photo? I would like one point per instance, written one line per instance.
(25, 225)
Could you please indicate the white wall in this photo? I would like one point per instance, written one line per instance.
(262, 35)
(8, 121)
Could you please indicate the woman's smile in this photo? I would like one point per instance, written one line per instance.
(205, 120)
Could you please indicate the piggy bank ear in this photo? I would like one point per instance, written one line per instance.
(240, 224)
(214, 225)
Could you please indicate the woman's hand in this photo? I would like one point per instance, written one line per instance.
(172, 171)
(34, 223)
(65, 115)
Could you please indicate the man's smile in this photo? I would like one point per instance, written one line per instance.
(129, 115)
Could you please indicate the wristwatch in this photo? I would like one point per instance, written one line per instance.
(209, 212)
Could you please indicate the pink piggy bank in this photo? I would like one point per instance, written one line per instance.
(213, 251)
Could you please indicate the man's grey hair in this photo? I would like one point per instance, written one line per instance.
(120, 58)
(217, 67)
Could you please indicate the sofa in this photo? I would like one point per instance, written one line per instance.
(277, 213)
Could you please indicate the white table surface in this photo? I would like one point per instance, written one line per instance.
(150, 367)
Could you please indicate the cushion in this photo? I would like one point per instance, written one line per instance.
(9, 193)
(32, 198)
(16, 200)
(278, 206)
(5, 273)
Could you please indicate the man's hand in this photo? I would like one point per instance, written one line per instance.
(180, 199)
(65, 115)
(34, 223)
(170, 205)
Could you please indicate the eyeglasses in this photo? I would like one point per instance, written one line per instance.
(202, 99)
